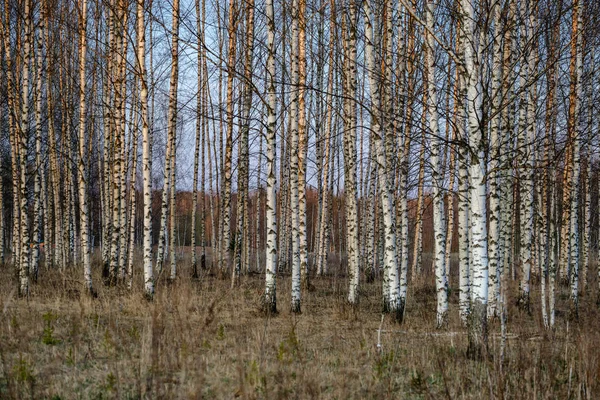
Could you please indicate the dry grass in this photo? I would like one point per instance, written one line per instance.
(202, 340)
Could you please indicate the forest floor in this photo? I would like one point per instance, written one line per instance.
(200, 339)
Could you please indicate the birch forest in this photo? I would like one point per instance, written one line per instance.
(299, 199)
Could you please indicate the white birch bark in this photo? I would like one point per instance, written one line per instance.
(405, 162)
(123, 245)
(226, 164)
(23, 131)
(172, 133)
(324, 215)
(146, 150)
(199, 127)
(526, 134)
(464, 258)
(575, 127)
(83, 196)
(477, 174)
(242, 238)
(302, 144)
(417, 259)
(295, 167)
(390, 262)
(270, 299)
(37, 189)
(133, 184)
(439, 229)
(495, 246)
(350, 155)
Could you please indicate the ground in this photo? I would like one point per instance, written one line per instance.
(200, 339)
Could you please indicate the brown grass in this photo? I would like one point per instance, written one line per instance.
(203, 340)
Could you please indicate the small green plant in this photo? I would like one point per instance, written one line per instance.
(111, 383)
(108, 342)
(134, 333)
(70, 360)
(23, 371)
(253, 373)
(220, 332)
(13, 322)
(288, 349)
(48, 333)
(383, 364)
(418, 383)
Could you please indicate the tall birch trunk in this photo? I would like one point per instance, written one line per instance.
(495, 246)
(270, 299)
(477, 174)
(439, 229)
(302, 144)
(574, 132)
(350, 188)
(405, 163)
(133, 184)
(324, 216)
(295, 165)
(525, 138)
(172, 133)
(392, 298)
(37, 189)
(227, 173)
(242, 238)
(22, 147)
(83, 197)
(199, 127)
(146, 150)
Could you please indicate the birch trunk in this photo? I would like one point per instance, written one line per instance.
(270, 299)
(242, 238)
(37, 189)
(23, 145)
(477, 174)
(52, 148)
(417, 263)
(549, 205)
(393, 302)
(587, 184)
(302, 144)
(464, 259)
(146, 150)
(172, 133)
(133, 183)
(295, 166)
(123, 245)
(324, 216)
(199, 127)
(350, 155)
(83, 196)
(575, 135)
(405, 163)
(439, 229)
(495, 246)
(226, 175)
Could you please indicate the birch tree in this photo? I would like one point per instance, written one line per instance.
(477, 173)
(146, 150)
(392, 301)
(574, 133)
(350, 153)
(83, 196)
(270, 299)
(439, 229)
